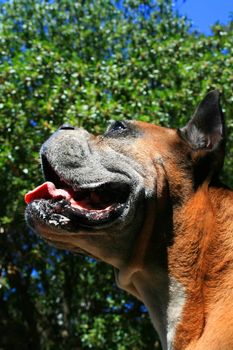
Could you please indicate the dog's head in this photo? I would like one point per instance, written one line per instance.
(102, 191)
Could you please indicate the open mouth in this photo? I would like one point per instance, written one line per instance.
(89, 205)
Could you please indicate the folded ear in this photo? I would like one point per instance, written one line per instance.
(205, 130)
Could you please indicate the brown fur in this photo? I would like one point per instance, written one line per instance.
(182, 232)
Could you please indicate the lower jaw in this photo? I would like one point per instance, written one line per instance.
(61, 215)
(92, 219)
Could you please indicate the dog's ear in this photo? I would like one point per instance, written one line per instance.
(205, 130)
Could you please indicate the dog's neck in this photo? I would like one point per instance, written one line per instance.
(179, 294)
(163, 296)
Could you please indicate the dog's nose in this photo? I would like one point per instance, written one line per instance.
(66, 126)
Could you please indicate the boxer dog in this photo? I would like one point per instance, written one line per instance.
(148, 200)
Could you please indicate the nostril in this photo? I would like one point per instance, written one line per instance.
(66, 126)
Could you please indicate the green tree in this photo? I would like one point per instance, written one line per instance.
(85, 62)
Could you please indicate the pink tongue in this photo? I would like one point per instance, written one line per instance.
(47, 191)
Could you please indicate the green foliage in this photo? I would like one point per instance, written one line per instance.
(86, 62)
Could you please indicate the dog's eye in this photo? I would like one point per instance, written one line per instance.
(116, 128)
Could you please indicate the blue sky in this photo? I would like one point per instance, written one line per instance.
(205, 13)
